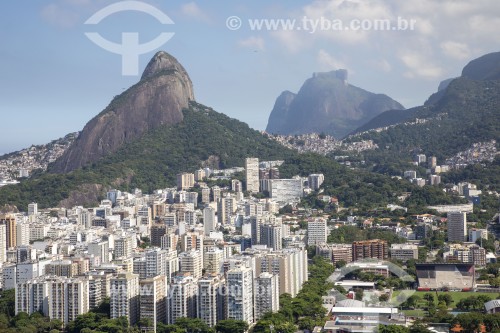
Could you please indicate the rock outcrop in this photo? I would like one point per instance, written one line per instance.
(156, 100)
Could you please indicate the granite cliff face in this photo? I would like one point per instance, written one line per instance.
(327, 103)
(157, 99)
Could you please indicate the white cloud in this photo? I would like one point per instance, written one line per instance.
(59, 16)
(327, 62)
(256, 43)
(382, 65)
(292, 40)
(420, 67)
(192, 10)
(456, 50)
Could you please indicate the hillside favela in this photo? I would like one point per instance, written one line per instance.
(250, 173)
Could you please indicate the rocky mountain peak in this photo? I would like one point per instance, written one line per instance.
(158, 99)
(161, 62)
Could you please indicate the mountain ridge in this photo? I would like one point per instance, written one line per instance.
(483, 68)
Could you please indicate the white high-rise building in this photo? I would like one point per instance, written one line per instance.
(3, 244)
(289, 264)
(270, 235)
(156, 260)
(32, 296)
(240, 294)
(209, 220)
(23, 234)
(100, 249)
(210, 300)
(123, 247)
(191, 262)
(475, 234)
(56, 297)
(315, 180)
(171, 265)
(124, 300)
(77, 295)
(252, 174)
(457, 226)
(32, 209)
(286, 190)
(153, 300)
(266, 294)
(181, 302)
(317, 232)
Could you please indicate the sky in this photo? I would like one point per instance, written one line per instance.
(54, 79)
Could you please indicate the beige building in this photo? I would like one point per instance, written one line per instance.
(191, 262)
(185, 181)
(10, 230)
(252, 174)
(404, 252)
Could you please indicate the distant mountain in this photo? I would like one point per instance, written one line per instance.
(326, 103)
(158, 99)
(467, 111)
(484, 68)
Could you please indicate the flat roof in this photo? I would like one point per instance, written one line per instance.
(355, 283)
(345, 310)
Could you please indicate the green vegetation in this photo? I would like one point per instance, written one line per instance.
(466, 114)
(361, 189)
(486, 175)
(205, 137)
(451, 298)
(349, 234)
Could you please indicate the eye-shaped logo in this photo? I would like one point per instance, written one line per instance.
(130, 49)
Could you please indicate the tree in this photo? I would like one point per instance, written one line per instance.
(392, 329)
(494, 282)
(418, 328)
(429, 298)
(412, 301)
(358, 294)
(384, 298)
(231, 326)
(340, 264)
(446, 298)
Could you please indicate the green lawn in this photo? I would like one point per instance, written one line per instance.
(456, 295)
(415, 313)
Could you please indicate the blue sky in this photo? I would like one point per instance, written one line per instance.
(53, 79)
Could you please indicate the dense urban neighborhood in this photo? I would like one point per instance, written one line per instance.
(237, 244)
